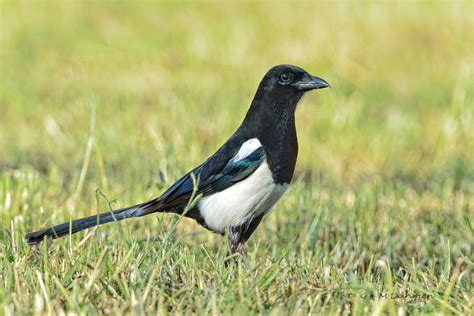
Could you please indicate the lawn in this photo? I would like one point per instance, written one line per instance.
(106, 105)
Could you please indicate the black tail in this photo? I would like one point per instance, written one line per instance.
(91, 221)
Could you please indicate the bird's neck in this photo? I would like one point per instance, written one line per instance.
(272, 121)
(270, 113)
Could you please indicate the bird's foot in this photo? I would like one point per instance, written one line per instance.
(235, 253)
(236, 247)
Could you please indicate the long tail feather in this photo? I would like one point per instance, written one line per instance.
(91, 221)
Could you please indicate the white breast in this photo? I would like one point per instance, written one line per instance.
(246, 199)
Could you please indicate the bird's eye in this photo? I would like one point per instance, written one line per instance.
(285, 78)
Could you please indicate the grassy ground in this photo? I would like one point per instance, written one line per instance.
(126, 97)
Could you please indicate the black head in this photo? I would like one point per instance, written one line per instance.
(277, 96)
(290, 79)
(283, 86)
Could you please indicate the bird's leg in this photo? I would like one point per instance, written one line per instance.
(238, 235)
(236, 244)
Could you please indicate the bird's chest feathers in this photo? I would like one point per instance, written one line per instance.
(244, 200)
(281, 146)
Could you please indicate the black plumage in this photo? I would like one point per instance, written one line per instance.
(265, 145)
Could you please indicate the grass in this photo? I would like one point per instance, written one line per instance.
(126, 97)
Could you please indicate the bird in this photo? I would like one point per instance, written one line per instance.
(241, 182)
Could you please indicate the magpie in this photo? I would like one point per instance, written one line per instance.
(241, 182)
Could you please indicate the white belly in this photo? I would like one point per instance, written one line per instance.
(246, 199)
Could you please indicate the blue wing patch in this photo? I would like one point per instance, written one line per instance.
(233, 172)
(180, 192)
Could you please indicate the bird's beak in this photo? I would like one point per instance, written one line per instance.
(309, 82)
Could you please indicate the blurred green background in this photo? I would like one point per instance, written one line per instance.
(402, 78)
(127, 96)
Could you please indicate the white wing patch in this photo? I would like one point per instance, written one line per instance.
(248, 198)
(247, 148)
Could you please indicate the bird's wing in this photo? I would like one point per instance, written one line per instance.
(217, 173)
